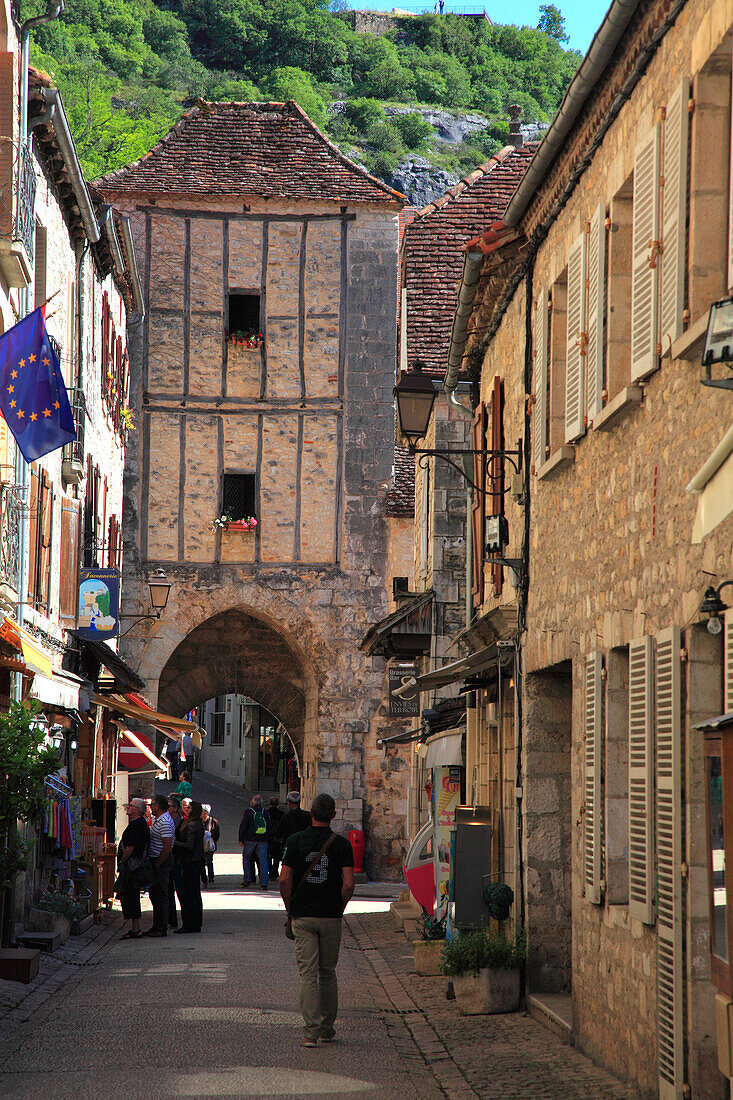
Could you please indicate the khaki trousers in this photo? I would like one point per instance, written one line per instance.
(317, 943)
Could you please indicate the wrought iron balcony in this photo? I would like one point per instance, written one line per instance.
(72, 469)
(25, 205)
(11, 504)
(17, 212)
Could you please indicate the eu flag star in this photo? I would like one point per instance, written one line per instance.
(31, 358)
(21, 363)
(46, 412)
(56, 404)
(11, 389)
(13, 374)
(21, 414)
(47, 362)
(13, 404)
(34, 416)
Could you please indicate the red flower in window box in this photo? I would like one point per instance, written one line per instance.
(226, 523)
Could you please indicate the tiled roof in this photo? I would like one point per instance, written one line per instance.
(268, 150)
(400, 498)
(433, 249)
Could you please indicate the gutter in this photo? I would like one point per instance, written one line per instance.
(52, 96)
(601, 50)
(472, 264)
(132, 266)
(109, 228)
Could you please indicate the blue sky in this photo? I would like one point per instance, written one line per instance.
(582, 17)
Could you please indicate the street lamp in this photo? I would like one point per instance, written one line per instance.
(713, 607)
(719, 343)
(415, 395)
(159, 587)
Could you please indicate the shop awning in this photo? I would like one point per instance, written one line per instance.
(125, 678)
(456, 671)
(402, 738)
(139, 744)
(35, 656)
(444, 750)
(717, 723)
(164, 722)
(60, 690)
(405, 633)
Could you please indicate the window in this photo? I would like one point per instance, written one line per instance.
(239, 496)
(618, 327)
(40, 507)
(216, 730)
(243, 313)
(556, 369)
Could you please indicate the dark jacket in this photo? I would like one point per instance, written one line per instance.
(189, 843)
(247, 827)
(213, 826)
(294, 821)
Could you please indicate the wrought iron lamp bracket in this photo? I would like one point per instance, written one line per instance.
(513, 457)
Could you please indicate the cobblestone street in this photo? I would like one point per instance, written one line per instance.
(218, 1016)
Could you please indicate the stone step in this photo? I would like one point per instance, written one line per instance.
(19, 964)
(553, 1011)
(44, 941)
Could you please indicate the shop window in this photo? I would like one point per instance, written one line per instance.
(243, 313)
(239, 496)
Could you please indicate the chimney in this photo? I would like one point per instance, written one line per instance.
(515, 126)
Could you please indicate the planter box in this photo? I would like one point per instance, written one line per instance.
(82, 924)
(428, 956)
(19, 964)
(487, 992)
(41, 920)
(237, 525)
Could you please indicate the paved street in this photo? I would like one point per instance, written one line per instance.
(216, 1016)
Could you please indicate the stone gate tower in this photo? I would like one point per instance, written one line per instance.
(261, 386)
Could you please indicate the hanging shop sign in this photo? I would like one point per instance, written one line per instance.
(446, 795)
(99, 602)
(399, 707)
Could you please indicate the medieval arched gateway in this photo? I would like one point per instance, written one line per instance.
(261, 382)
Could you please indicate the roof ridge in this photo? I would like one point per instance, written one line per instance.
(468, 181)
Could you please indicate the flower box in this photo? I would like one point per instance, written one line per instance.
(239, 525)
(252, 341)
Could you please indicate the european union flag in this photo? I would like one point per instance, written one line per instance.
(33, 397)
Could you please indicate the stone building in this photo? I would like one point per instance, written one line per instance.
(262, 383)
(592, 313)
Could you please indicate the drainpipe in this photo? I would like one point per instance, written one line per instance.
(68, 151)
(109, 228)
(133, 271)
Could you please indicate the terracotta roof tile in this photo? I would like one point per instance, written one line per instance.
(400, 498)
(434, 249)
(268, 150)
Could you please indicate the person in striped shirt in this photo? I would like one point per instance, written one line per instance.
(162, 834)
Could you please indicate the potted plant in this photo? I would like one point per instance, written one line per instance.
(226, 522)
(428, 950)
(250, 338)
(485, 968)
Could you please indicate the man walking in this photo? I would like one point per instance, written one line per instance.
(162, 832)
(274, 844)
(316, 882)
(294, 821)
(253, 831)
(187, 754)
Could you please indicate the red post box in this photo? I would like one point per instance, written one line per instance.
(356, 840)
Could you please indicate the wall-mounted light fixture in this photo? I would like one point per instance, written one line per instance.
(719, 344)
(159, 588)
(712, 607)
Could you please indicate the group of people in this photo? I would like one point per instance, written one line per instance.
(167, 849)
(263, 834)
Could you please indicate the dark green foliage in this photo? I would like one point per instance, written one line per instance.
(473, 951)
(128, 68)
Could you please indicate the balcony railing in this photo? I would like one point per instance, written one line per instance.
(11, 504)
(25, 206)
(75, 450)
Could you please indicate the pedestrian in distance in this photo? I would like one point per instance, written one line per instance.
(175, 884)
(294, 821)
(133, 846)
(184, 787)
(211, 840)
(274, 844)
(253, 832)
(187, 755)
(316, 882)
(189, 844)
(172, 752)
(160, 854)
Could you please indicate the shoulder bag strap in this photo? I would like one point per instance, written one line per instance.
(313, 862)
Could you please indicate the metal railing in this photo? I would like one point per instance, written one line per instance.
(11, 505)
(25, 203)
(75, 450)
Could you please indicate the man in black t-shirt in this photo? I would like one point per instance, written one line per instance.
(316, 905)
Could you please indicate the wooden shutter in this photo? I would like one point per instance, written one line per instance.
(644, 257)
(69, 561)
(641, 780)
(43, 589)
(539, 411)
(592, 843)
(668, 770)
(730, 201)
(596, 349)
(477, 507)
(728, 662)
(33, 534)
(674, 214)
(575, 344)
(496, 468)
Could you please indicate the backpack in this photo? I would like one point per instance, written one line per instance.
(260, 823)
(209, 845)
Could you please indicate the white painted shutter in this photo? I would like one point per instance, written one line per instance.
(539, 412)
(668, 738)
(592, 852)
(596, 307)
(674, 214)
(641, 780)
(644, 278)
(728, 661)
(575, 344)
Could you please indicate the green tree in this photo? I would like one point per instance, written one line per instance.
(552, 22)
(292, 83)
(414, 129)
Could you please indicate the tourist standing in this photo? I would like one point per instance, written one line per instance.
(294, 821)
(274, 844)
(184, 788)
(133, 845)
(175, 884)
(187, 754)
(253, 831)
(189, 844)
(211, 837)
(316, 882)
(162, 834)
